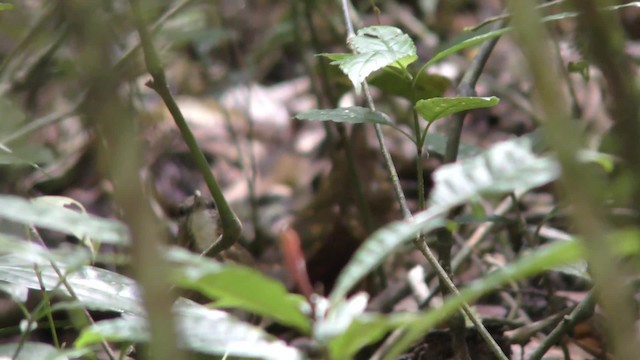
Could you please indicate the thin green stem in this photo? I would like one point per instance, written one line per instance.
(582, 312)
(232, 228)
(419, 241)
(47, 305)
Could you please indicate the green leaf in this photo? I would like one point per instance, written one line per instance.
(5, 6)
(581, 67)
(376, 47)
(436, 108)
(239, 287)
(438, 143)
(618, 7)
(467, 42)
(32, 350)
(200, 329)
(97, 289)
(606, 161)
(25, 154)
(393, 83)
(353, 115)
(54, 217)
(25, 250)
(339, 317)
(507, 166)
(544, 258)
(364, 330)
(376, 248)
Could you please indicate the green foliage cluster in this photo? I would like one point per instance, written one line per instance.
(339, 324)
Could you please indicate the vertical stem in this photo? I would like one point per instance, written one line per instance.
(419, 242)
(232, 228)
(120, 155)
(582, 188)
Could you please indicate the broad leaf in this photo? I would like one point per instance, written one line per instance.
(96, 288)
(32, 350)
(200, 329)
(439, 107)
(544, 258)
(393, 83)
(239, 287)
(54, 217)
(376, 47)
(438, 143)
(25, 250)
(507, 166)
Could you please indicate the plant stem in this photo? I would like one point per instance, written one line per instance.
(119, 152)
(582, 187)
(419, 241)
(232, 228)
(583, 311)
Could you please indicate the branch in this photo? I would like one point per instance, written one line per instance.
(232, 228)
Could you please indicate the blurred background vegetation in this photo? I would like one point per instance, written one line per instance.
(79, 121)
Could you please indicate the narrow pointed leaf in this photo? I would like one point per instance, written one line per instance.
(376, 248)
(545, 258)
(468, 42)
(257, 293)
(353, 115)
(439, 107)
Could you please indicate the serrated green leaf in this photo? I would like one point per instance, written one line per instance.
(376, 47)
(201, 330)
(544, 258)
(53, 217)
(220, 283)
(439, 107)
